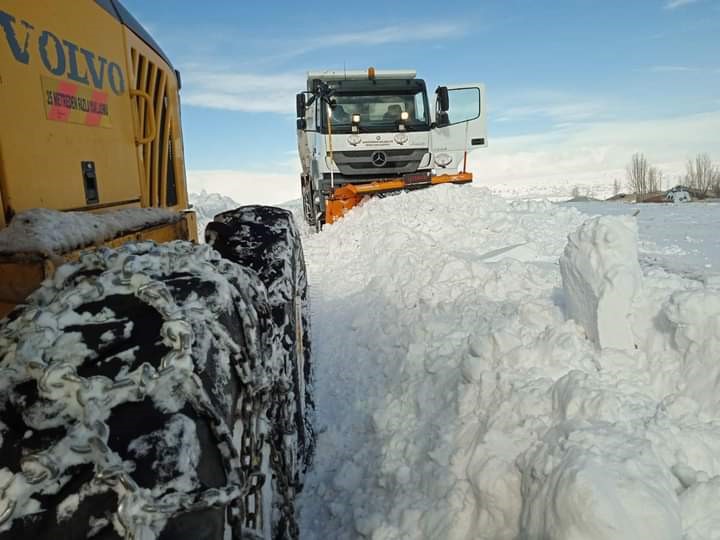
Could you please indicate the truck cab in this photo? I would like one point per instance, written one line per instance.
(371, 132)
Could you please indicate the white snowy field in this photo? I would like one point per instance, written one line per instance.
(552, 191)
(683, 238)
(456, 400)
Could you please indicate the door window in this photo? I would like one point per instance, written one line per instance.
(464, 104)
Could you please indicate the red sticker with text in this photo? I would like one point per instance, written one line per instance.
(67, 101)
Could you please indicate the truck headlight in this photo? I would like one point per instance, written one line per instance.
(443, 160)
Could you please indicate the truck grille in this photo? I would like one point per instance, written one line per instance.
(362, 162)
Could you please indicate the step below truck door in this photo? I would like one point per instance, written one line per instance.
(462, 128)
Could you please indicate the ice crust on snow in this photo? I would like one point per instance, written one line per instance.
(457, 399)
(601, 278)
(47, 232)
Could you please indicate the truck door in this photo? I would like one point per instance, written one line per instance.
(463, 127)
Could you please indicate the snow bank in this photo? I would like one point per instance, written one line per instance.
(596, 482)
(601, 278)
(694, 317)
(207, 206)
(45, 231)
(456, 400)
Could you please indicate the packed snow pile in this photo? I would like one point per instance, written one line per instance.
(47, 232)
(601, 278)
(464, 391)
(207, 206)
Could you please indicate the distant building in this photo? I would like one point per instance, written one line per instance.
(678, 194)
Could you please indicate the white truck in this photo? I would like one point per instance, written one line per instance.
(372, 132)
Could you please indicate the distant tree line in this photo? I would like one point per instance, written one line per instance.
(702, 176)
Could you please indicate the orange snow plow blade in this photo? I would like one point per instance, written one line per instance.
(347, 196)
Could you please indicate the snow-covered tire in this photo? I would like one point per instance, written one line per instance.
(312, 210)
(308, 199)
(120, 381)
(266, 239)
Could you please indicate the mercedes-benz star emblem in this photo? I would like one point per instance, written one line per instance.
(378, 159)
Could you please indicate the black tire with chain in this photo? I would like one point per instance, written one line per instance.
(312, 210)
(266, 240)
(308, 200)
(97, 316)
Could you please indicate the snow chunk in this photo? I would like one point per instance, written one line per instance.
(601, 278)
(701, 520)
(68, 507)
(596, 483)
(14, 491)
(695, 320)
(207, 206)
(96, 525)
(47, 232)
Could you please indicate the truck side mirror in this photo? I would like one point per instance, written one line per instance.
(443, 99)
(442, 119)
(300, 104)
(301, 124)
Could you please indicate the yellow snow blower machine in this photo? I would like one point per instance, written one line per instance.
(150, 387)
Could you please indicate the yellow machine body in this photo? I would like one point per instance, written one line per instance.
(89, 121)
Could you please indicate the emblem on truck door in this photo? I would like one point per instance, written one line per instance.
(378, 159)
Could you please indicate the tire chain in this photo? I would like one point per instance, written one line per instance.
(137, 509)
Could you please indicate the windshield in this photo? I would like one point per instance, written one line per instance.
(379, 111)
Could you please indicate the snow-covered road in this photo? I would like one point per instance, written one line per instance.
(456, 401)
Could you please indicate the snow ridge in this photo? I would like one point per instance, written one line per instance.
(207, 206)
(48, 232)
(457, 398)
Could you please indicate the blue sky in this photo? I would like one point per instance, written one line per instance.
(573, 86)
